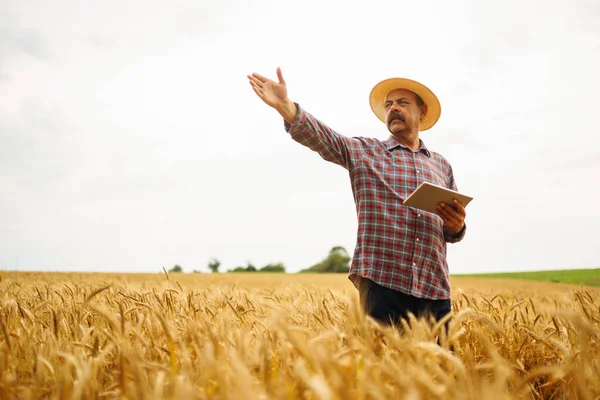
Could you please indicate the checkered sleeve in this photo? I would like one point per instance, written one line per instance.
(331, 146)
(460, 235)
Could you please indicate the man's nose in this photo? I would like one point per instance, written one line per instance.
(394, 106)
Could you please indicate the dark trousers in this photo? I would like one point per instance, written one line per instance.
(389, 306)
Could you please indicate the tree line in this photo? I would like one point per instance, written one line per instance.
(337, 261)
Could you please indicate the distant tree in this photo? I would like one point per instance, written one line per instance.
(214, 265)
(338, 249)
(176, 268)
(338, 261)
(279, 267)
(248, 268)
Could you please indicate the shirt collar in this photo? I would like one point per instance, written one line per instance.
(391, 143)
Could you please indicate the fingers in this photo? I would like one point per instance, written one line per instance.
(257, 86)
(280, 75)
(451, 215)
(457, 211)
(255, 82)
(448, 214)
(258, 92)
(258, 77)
(460, 210)
(261, 79)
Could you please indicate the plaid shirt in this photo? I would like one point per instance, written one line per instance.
(397, 246)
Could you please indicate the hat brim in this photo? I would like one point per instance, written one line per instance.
(382, 89)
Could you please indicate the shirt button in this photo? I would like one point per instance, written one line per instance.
(414, 264)
(417, 171)
(418, 215)
(417, 239)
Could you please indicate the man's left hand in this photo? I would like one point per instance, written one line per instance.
(453, 216)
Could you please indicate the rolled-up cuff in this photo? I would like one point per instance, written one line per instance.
(298, 121)
(455, 238)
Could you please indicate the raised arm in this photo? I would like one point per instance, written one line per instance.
(302, 126)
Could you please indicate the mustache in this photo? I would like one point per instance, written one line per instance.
(395, 115)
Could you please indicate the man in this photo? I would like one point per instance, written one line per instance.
(399, 263)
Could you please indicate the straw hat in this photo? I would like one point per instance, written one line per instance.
(383, 88)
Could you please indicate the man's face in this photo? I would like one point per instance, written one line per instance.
(402, 112)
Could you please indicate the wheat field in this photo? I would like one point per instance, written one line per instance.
(260, 336)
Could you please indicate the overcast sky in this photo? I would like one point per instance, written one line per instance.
(130, 138)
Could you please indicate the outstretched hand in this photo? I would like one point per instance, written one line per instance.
(274, 94)
(271, 92)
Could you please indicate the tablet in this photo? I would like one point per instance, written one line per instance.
(427, 196)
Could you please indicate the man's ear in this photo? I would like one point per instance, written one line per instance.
(423, 111)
